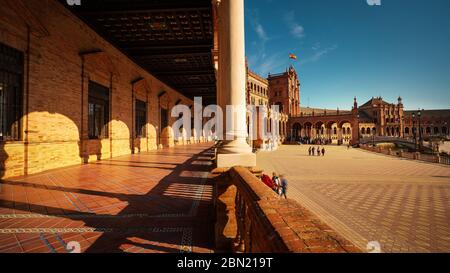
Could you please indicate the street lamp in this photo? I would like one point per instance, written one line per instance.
(419, 114)
(373, 133)
(414, 131)
(359, 135)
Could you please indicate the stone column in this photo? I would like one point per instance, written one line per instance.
(232, 90)
(339, 135)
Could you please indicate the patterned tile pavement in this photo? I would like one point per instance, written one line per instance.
(402, 204)
(146, 203)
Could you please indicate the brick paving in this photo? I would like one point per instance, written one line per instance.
(402, 204)
(146, 203)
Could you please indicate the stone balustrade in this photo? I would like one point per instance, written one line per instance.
(439, 159)
(251, 218)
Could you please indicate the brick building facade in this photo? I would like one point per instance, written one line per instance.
(285, 91)
(74, 96)
(378, 117)
(260, 93)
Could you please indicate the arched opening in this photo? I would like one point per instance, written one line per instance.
(319, 129)
(296, 131)
(406, 130)
(280, 107)
(436, 130)
(444, 130)
(307, 127)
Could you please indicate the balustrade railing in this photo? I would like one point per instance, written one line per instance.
(432, 158)
(252, 218)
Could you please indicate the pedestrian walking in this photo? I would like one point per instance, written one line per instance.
(310, 150)
(313, 151)
(277, 183)
(284, 186)
(323, 151)
(318, 151)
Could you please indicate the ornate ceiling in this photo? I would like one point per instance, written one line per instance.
(172, 39)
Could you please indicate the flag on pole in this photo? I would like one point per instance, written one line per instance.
(293, 56)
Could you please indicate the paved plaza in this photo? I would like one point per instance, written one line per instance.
(402, 204)
(153, 202)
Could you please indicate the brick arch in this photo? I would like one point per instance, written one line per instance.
(342, 122)
(297, 129)
(330, 124)
(100, 61)
(319, 124)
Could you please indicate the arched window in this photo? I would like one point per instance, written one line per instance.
(436, 130)
(374, 131)
(444, 131)
(428, 130)
(349, 131)
(363, 131)
(335, 131)
(406, 130)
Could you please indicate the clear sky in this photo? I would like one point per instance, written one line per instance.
(347, 48)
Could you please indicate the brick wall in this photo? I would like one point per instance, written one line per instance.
(54, 126)
(251, 218)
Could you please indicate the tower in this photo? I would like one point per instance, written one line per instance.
(285, 91)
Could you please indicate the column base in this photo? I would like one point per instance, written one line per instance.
(233, 160)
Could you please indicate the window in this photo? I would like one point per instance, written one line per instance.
(164, 118)
(98, 112)
(141, 118)
(11, 92)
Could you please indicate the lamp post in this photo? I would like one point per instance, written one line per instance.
(397, 127)
(373, 134)
(446, 131)
(414, 131)
(359, 131)
(419, 114)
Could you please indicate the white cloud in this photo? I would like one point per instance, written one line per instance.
(296, 30)
(261, 32)
(318, 54)
(270, 64)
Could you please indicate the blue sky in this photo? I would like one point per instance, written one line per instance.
(347, 48)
